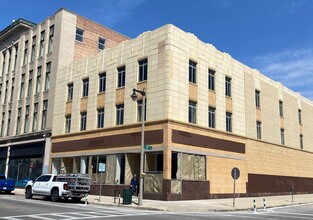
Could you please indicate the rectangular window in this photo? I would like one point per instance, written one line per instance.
(85, 87)
(47, 79)
(143, 70)
(301, 141)
(33, 52)
(257, 99)
(26, 123)
(299, 117)
(101, 43)
(35, 117)
(51, 33)
(281, 108)
(102, 82)
(121, 76)
(2, 124)
(42, 43)
(9, 123)
(228, 86)
(212, 117)
(192, 71)
(15, 57)
(139, 109)
(12, 90)
(6, 91)
(68, 119)
(30, 82)
(22, 86)
(38, 80)
(79, 35)
(9, 62)
(120, 114)
(258, 130)
(211, 80)
(3, 62)
(70, 88)
(25, 53)
(100, 121)
(18, 121)
(282, 136)
(44, 114)
(192, 112)
(228, 122)
(83, 121)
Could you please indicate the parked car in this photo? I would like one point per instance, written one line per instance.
(74, 186)
(6, 185)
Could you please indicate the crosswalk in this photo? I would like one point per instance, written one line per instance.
(79, 215)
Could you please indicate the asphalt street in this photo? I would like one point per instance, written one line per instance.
(15, 207)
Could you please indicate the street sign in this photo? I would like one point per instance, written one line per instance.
(235, 173)
(147, 147)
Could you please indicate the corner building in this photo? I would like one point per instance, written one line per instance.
(206, 113)
(30, 57)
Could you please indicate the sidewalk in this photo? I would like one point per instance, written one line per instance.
(201, 205)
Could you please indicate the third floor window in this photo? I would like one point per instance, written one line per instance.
(85, 87)
(228, 86)
(211, 79)
(192, 71)
(121, 76)
(143, 70)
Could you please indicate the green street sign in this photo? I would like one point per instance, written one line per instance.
(147, 147)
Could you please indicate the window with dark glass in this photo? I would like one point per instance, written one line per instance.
(85, 87)
(120, 114)
(282, 136)
(18, 121)
(47, 79)
(15, 57)
(30, 82)
(192, 71)
(299, 117)
(12, 90)
(3, 62)
(26, 122)
(192, 112)
(212, 80)
(33, 52)
(35, 117)
(79, 35)
(228, 121)
(212, 117)
(42, 43)
(9, 61)
(258, 130)
(2, 124)
(101, 43)
(143, 70)
(301, 141)
(139, 110)
(228, 86)
(68, 119)
(44, 114)
(83, 121)
(257, 99)
(102, 82)
(100, 121)
(22, 86)
(25, 53)
(9, 123)
(38, 80)
(70, 88)
(281, 109)
(121, 76)
(6, 91)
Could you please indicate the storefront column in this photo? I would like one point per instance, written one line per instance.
(83, 165)
(46, 160)
(7, 162)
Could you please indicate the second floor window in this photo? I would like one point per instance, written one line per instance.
(121, 76)
(22, 86)
(44, 114)
(30, 84)
(26, 122)
(139, 110)
(35, 117)
(85, 87)
(101, 43)
(70, 88)
(38, 80)
(301, 141)
(299, 117)
(2, 124)
(120, 114)
(102, 82)
(211, 117)
(143, 70)
(228, 86)
(229, 121)
(83, 121)
(18, 121)
(79, 35)
(47, 80)
(192, 71)
(257, 99)
(192, 118)
(100, 121)
(68, 120)
(211, 80)
(282, 136)
(281, 108)
(258, 130)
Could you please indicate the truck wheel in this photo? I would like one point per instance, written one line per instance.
(55, 195)
(28, 193)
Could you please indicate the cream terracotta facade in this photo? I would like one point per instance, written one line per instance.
(168, 51)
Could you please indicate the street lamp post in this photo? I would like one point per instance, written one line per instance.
(134, 98)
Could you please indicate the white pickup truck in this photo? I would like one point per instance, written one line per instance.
(74, 186)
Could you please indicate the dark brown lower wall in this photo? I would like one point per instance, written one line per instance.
(272, 185)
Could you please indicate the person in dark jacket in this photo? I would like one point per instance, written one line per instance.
(133, 184)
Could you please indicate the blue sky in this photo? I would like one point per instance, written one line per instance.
(273, 36)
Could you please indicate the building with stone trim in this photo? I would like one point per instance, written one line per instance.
(206, 113)
(30, 57)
